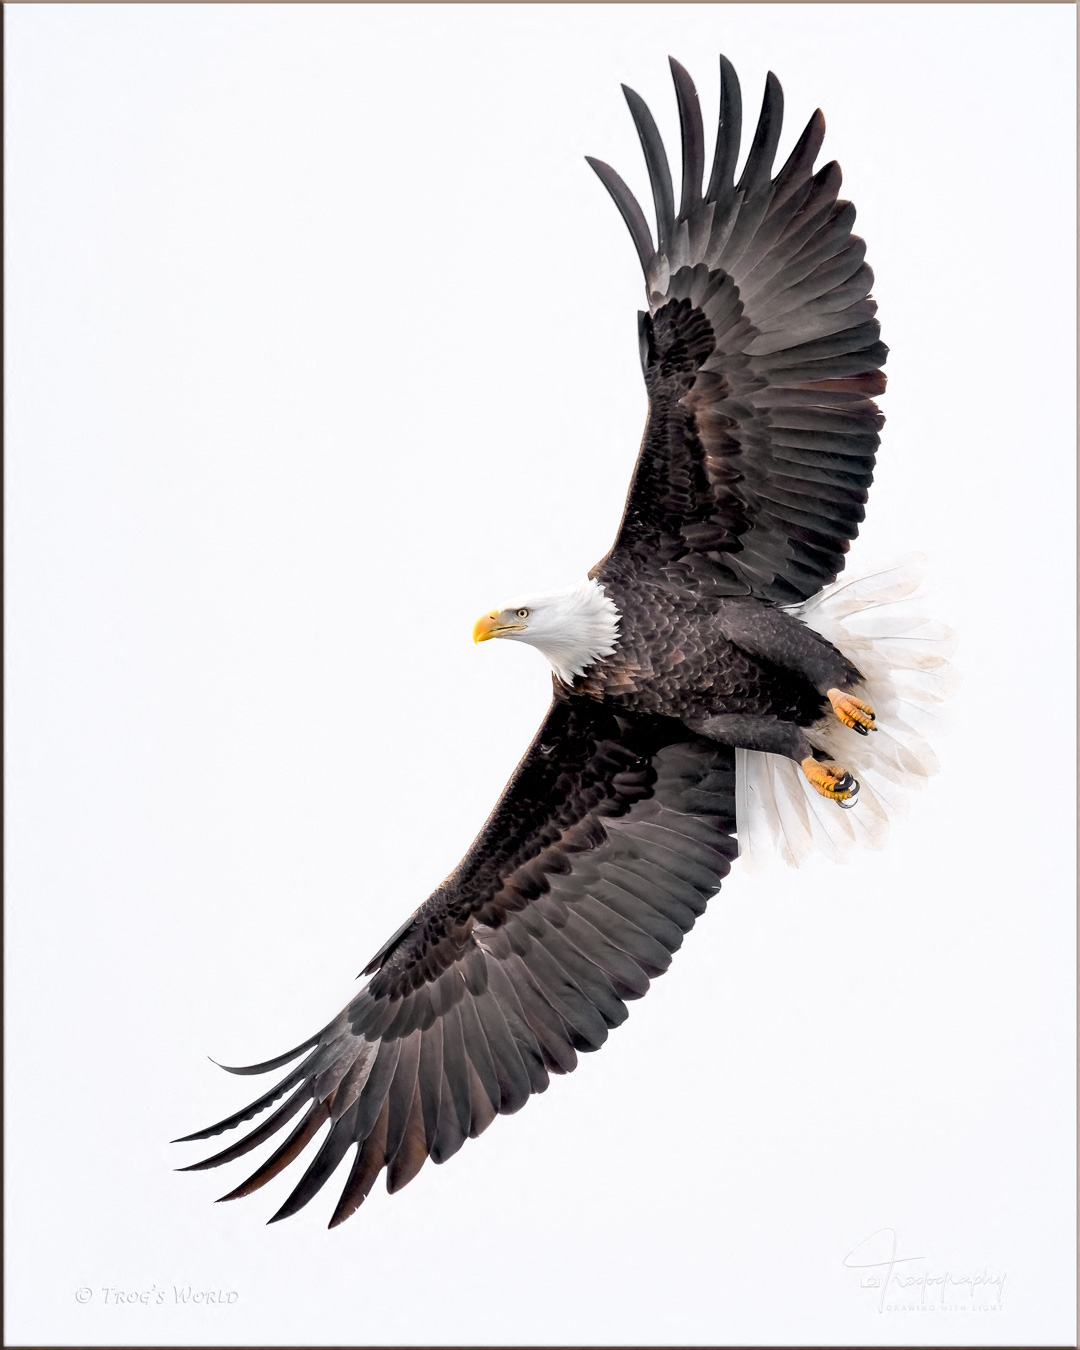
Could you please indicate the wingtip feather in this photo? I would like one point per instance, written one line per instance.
(629, 209)
(278, 1062)
(693, 138)
(656, 162)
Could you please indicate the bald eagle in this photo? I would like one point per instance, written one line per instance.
(706, 675)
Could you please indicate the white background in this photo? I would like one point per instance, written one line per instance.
(321, 340)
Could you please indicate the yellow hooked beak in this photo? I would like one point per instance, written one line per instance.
(488, 626)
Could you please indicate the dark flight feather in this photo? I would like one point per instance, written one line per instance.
(659, 170)
(537, 981)
(778, 280)
(693, 138)
(266, 1130)
(628, 206)
(260, 1104)
(728, 136)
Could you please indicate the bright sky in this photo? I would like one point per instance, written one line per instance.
(320, 341)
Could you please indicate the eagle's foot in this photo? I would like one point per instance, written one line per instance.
(831, 780)
(853, 712)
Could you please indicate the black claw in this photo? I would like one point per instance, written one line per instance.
(858, 726)
(846, 806)
(844, 783)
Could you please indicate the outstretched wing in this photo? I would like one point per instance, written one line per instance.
(761, 356)
(603, 850)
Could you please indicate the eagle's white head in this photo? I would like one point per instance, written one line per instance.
(572, 627)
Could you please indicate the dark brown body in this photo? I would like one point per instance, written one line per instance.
(691, 656)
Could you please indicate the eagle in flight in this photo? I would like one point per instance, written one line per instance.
(696, 679)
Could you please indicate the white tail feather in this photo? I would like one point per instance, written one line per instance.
(904, 659)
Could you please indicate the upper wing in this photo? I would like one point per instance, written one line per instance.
(602, 851)
(761, 354)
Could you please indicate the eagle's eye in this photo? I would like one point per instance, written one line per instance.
(522, 613)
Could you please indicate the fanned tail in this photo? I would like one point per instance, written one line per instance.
(873, 619)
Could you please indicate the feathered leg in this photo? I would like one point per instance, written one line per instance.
(774, 736)
(763, 631)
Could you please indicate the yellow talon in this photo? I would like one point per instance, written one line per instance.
(831, 780)
(853, 712)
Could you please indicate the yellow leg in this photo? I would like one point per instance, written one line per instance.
(831, 780)
(853, 712)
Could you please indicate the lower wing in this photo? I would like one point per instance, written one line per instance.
(604, 849)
